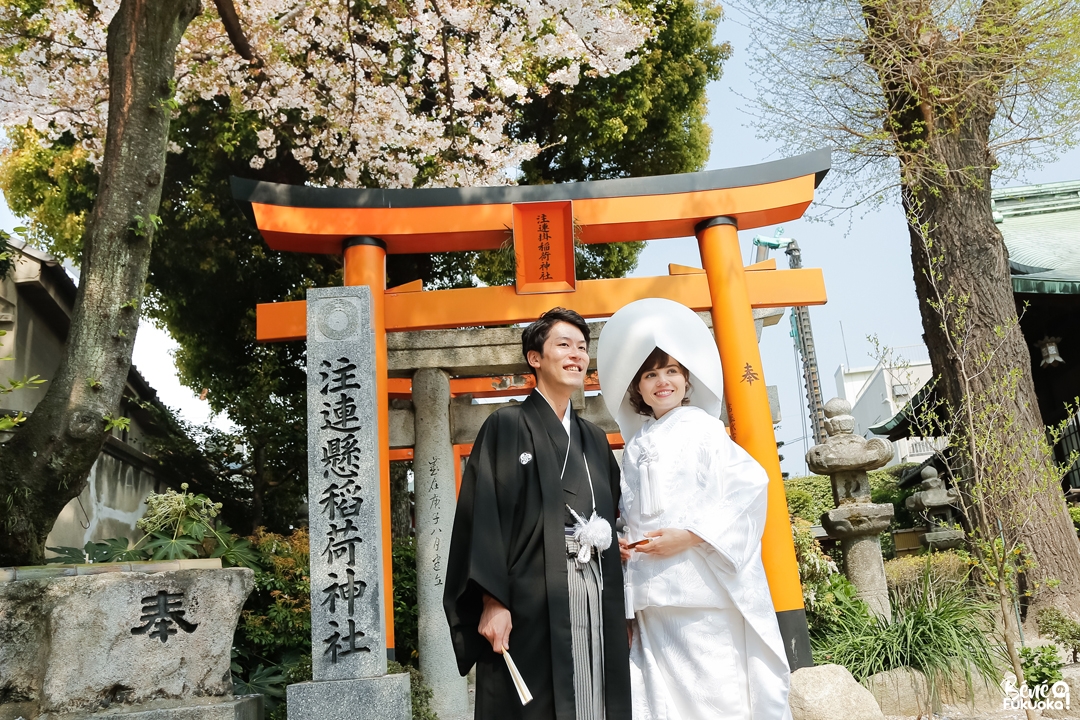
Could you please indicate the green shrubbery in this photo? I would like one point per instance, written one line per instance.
(937, 625)
(1063, 630)
(406, 641)
(420, 691)
(272, 645)
(1042, 668)
(940, 630)
(823, 585)
(1074, 513)
(810, 497)
(905, 574)
(178, 525)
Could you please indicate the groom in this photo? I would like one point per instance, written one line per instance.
(517, 579)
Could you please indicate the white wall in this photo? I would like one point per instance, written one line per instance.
(878, 393)
(110, 504)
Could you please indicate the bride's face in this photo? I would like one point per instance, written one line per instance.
(664, 388)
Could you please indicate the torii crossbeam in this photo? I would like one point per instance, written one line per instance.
(544, 222)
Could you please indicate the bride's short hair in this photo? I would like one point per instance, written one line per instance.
(657, 359)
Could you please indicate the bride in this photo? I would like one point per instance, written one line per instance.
(705, 644)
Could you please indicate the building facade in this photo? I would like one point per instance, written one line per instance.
(36, 300)
(878, 393)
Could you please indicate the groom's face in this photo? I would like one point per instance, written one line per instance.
(564, 360)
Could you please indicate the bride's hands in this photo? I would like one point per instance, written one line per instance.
(667, 542)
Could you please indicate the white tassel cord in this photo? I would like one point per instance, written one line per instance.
(650, 481)
(594, 533)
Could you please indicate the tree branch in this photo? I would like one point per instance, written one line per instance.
(227, 12)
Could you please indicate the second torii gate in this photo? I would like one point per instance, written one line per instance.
(544, 222)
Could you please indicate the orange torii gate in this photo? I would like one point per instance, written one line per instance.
(544, 222)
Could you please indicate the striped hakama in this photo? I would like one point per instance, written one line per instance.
(586, 627)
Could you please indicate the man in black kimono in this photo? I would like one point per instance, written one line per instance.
(516, 577)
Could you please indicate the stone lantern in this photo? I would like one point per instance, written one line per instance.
(934, 502)
(855, 521)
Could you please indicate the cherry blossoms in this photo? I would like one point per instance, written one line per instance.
(374, 89)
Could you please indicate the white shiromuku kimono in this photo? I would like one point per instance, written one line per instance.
(707, 645)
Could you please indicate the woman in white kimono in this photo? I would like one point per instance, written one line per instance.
(705, 643)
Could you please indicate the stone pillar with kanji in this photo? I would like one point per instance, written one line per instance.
(348, 623)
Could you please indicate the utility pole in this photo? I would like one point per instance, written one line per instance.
(802, 333)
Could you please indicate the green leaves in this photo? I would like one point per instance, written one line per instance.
(1042, 667)
(266, 681)
(1064, 630)
(104, 551)
(178, 511)
(939, 629)
(53, 185)
(144, 227)
(116, 423)
(163, 547)
(235, 551)
(10, 422)
(67, 555)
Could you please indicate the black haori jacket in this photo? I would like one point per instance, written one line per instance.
(509, 540)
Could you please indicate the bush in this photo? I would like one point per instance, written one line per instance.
(883, 489)
(801, 504)
(178, 525)
(1042, 668)
(418, 689)
(940, 630)
(1063, 630)
(904, 574)
(813, 496)
(272, 646)
(823, 585)
(809, 497)
(406, 640)
(1074, 513)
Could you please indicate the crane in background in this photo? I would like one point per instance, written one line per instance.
(801, 331)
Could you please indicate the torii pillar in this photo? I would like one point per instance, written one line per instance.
(545, 221)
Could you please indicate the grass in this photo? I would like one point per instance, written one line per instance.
(940, 629)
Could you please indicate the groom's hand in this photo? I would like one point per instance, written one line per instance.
(495, 624)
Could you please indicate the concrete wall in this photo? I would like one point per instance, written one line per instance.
(879, 393)
(32, 343)
(112, 500)
(35, 304)
(849, 383)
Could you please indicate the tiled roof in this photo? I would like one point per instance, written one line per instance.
(1041, 227)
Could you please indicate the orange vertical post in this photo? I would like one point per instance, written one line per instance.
(750, 421)
(365, 264)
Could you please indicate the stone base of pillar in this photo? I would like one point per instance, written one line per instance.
(376, 698)
(245, 707)
(864, 567)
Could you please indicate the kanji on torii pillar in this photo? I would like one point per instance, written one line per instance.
(544, 222)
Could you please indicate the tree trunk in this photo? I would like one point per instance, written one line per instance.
(46, 464)
(972, 261)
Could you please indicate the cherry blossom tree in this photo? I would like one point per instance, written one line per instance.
(389, 93)
(382, 90)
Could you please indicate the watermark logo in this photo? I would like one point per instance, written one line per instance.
(1040, 697)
